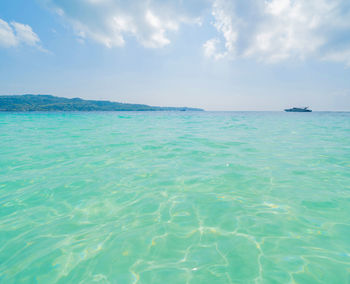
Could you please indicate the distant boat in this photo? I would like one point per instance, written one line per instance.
(297, 109)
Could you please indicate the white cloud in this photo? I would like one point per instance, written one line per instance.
(111, 22)
(275, 30)
(7, 36)
(14, 34)
(338, 56)
(25, 34)
(210, 49)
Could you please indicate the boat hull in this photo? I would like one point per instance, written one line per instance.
(298, 110)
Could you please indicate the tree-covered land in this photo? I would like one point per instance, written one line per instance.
(51, 103)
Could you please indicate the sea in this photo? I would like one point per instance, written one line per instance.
(175, 197)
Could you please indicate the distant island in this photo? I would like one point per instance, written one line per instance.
(51, 103)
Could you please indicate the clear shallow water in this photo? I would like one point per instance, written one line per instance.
(175, 198)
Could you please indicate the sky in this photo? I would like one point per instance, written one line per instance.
(213, 54)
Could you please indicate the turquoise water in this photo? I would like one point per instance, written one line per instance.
(175, 197)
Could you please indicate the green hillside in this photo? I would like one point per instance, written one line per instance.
(52, 103)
